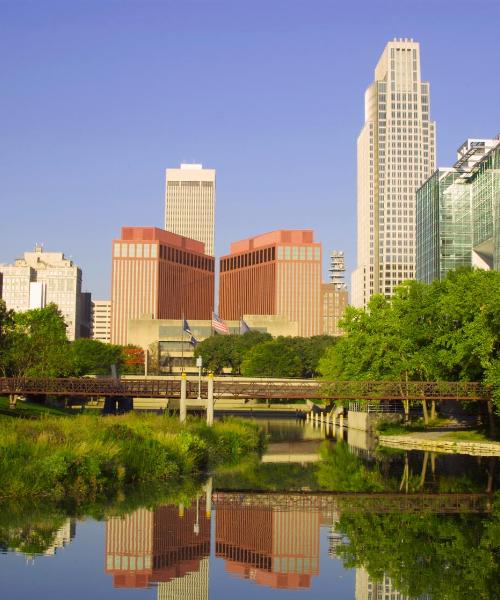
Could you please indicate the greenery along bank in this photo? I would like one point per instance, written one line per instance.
(84, 456)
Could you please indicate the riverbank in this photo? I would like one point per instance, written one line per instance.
(84, 456)
(448, 442)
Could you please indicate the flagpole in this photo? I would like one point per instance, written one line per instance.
(182, 344)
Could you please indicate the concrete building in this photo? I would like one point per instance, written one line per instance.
(165, 338)
(396, 154)
(190, 203)
(160, 274)
(40, 278)
(458, 212)
(277, 273)
(101, 320)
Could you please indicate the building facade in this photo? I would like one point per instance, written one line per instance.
(190, 203)
(160, 274)
(101, 320)
(458, 213)
(333, 304)
(169, 348)
(277, 273)
(396, 154)
(40, 278)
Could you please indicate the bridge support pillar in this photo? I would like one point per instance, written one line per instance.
(183, 402)
(341, 421)
(12, 401)
(109, 406)
(210, 400)
(321, 417)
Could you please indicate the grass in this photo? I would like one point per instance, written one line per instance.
(29, 409)
(84, 456)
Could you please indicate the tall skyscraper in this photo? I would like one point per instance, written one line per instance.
(160, 274)
(458, 213)
(40, 278)
(277, 273)
(396, 154)
(190, 203)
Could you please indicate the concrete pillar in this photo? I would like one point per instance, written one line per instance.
(210, 400)
(12, 401)
(341, 421)
(183, 402)
(321, 417)
(334, 421)
(208, 498)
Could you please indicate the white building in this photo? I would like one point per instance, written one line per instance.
(101, 320)
(396, 154)
(41, 278)
(190, 203)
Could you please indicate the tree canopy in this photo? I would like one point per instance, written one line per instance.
(448, 330)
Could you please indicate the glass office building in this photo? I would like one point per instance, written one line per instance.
(458, 220)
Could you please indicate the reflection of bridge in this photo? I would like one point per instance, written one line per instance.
(247, 388)
(335, 502)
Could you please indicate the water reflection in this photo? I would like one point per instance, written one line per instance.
(348, 523)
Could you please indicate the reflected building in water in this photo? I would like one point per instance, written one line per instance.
(369, 589)
(271, 546)
(168, 546)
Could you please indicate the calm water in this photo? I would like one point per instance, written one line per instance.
(318, 517)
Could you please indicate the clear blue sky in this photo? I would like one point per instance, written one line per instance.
(99, 97)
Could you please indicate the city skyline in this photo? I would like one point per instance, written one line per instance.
(275, 94)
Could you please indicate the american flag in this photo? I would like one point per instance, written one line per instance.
(219, 325)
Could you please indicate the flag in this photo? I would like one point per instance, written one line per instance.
(219, 325)
(244, 328)
(186, 328)
(193, 341)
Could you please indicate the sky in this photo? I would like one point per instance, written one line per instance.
(98, 98)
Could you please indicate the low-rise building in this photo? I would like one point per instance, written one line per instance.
(168, 344)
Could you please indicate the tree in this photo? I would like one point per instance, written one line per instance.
(93, 357)
(228, 351)
(6, 322)
(37, 344)
(275, 358)
(132, 360)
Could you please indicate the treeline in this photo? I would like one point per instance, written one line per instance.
(34, 344)
(257, 354)
(446, 331)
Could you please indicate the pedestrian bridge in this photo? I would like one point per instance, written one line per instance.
(245, 388)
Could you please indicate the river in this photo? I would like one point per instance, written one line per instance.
(323, 515)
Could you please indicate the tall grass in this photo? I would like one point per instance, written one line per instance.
(84, 456)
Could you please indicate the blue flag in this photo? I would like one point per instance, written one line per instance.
(193, 341)
(244, 328)
(186, 328)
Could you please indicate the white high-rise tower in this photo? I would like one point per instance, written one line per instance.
(396, 154)
(190, 203)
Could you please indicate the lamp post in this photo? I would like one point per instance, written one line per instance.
(199, 364)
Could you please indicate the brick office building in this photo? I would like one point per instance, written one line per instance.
(160, 274)
(277, 273)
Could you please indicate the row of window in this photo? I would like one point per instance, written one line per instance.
(205, 184)
(140, 250)
(248, 259)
